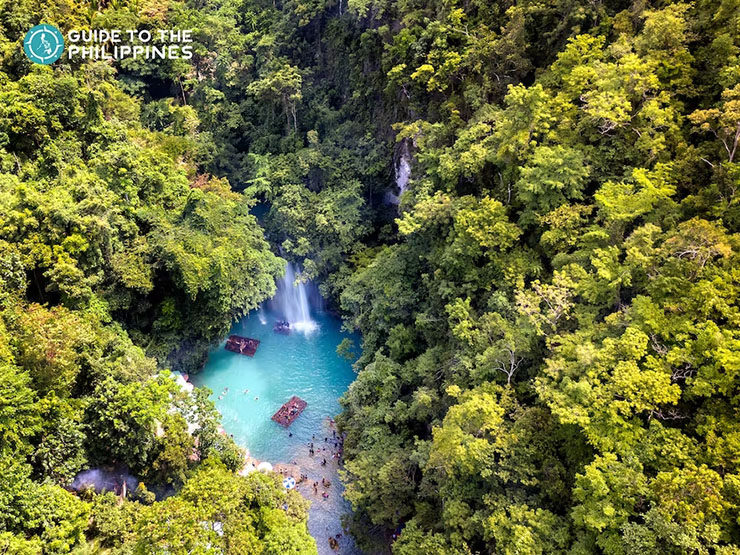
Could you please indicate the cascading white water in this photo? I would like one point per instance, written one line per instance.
(403, 170)
(291, 301)
(104, 480)
(403, 173)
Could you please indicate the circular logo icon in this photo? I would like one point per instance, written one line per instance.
(43, 44)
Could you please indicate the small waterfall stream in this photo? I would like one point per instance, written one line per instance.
(403, 173)
(102, 479)
(403, 169)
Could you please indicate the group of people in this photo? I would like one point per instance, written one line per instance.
(302, 478)
(226, 390)
(242, 345)
(333, 543)
(325, 484)
(289, 411)
(281, 326)
(336, 442)
(333, 445)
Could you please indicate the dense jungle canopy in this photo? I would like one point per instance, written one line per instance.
(550, 319)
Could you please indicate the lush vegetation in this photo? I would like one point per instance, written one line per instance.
(550, 319)
(119, 258)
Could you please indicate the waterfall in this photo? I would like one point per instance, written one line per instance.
(403, 169)
(104, 480)
(261, 316)
(403, 172)
(291, 301)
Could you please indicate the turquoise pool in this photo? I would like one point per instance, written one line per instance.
(301, 363)
(248, 390)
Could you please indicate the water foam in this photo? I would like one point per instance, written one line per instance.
(292, 301)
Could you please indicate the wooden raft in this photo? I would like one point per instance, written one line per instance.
(242, 345)
(291, 410)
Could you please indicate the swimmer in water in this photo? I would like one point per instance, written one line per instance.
(220, 396)
(256, 398)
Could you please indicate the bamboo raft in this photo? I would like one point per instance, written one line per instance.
(242, 345)
(291, 410)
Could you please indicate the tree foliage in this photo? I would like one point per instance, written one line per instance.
(549, 319)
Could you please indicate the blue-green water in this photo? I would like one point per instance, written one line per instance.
(304, 364)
